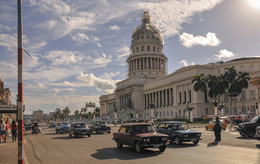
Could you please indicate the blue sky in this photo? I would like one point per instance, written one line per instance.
(79, 47)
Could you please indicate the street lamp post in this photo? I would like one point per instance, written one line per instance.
(151, 105)
(220, 108)
(189, 109)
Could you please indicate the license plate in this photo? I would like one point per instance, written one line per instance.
(157, 145)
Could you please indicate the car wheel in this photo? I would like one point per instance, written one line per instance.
(177, 141)
(109, 132)
(75, 135)
(224, 129)
(162, 148)
(56, 131)
(118, 143)
(138, 148)
(171, 141)
(242, 134)
(70, 135)
(250, 133)
(207, 128)
(196, 142)
(89, 135)
(97, 131)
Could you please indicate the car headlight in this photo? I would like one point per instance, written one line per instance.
(145, 140)
(198, 134)
(148, 139)
(165, 138)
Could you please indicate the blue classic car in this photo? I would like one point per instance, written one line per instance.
(62, 127)
(179, 132)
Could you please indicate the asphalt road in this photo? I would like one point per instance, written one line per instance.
(50, 148)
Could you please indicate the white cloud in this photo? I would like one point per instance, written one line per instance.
(101, 84)
(224, 54)
(38, 86)
(9, 42)
(64, 57)
(188, 40)
(58, 7)
(114, 28)
(81, 38)
(104, 59)
(185, 63)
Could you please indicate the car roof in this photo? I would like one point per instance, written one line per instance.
(78, 123)
(171, 122)
(131, 124)
(64, 122)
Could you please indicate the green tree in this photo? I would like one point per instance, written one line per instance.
(200, 85)
(58, 113)
(66, 112)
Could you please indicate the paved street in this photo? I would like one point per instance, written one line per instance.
(49, 147)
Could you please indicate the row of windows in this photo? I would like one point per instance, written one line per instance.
(163, 114)
(146, 48)
(243, 69)
(125, 101)
(159, 99)
(183, 100)
(146, 63)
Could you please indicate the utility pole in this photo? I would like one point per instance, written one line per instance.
(20, 83)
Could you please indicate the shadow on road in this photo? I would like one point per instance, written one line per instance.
(68, 138)
(126, 153)
(183, 145)
(258, 146)
(215, 143)
(246, 138)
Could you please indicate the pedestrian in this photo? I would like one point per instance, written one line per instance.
(14, 131)
(6, 129)
(217, 130)
(2, 130)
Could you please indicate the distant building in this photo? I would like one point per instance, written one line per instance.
(27, 117)
(39, 116)
(150, 92)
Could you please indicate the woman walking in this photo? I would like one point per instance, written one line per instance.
(14, 131)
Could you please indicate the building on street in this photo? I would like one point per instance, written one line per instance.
(149, 92)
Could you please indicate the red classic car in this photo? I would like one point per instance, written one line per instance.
(140, 136)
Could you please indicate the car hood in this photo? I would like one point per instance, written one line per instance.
(187, 131)
(247, 123)
(82, 129)
(151, 135)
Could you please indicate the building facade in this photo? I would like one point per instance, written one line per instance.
(148, 92)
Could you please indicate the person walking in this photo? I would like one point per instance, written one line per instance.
(14, 131)
(6, 129)
(217, 130)
(2, 130)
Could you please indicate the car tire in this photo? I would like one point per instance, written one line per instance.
(177, 141)
(89, 135)
(56, 131)
(196, 142)
(207, 128)
(138, 148)
(224, 129)
(162, 148)
(242, 134)
(70, 135)
(250, 133)
(118, 143)
(97, 131)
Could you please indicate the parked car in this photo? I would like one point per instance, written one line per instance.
(52, 125)
(248, 128)
(140, 136)
(28, 126)
(79, 129)
(100, 127)
(258, 131)
(179, 132)
(62, 127)
(211, 123)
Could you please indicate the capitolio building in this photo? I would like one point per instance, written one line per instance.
(150, 93)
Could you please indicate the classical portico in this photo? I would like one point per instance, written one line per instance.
(256, 82)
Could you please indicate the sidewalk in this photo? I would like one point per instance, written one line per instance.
(9, 151)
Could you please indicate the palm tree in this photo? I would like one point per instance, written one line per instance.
(218, 86)
(230, 76)
(200, 84)
(66, 112)
(243, 82)
(82, 110)
(58, 113)
(76, 114)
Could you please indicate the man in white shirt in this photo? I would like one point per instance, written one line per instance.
(2, 130)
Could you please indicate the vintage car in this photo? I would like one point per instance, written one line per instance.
(248, 128)
(62, 127)
(179, 132)
(100, 127)
(210, 125)
(258, 131)
(140, 136)
(79, 129)
(52, 125)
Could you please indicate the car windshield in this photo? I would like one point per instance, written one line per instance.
(255, 119)
(183, 126)
(143, 129)
(100, 122)
(62, 123)
(80, 125)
